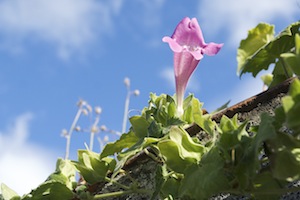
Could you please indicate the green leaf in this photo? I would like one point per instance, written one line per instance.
(280, 74)
(180, 150)
(279, 117)
(9, 194)
(188, 109)
(206, 123)
(206, 179)
(286, 165)
(292, 60)
(170, 150)
(189, 149)
(231, 134)
(161, 108)
(133, 150)
(171, 187)
(167, 184)
(285, 157)
(125, 141)
(139, 126)
(161, 111)
(192, 109)
(267, 79)
(64, 173)
(91, 167)
(291, 106)
(188, 101)
(264, 184)
(241, 151)
(50, 190)
(297, 44)
(172, 109)
(287, 103)
(228, 125)
(155, 129)
(294, 90)
(266, 130)
(88, 174)
(250, 47)
(225, 105)
(248, 163)
(261, 48)
(197, 109)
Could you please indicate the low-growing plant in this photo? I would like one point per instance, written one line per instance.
(231, 156)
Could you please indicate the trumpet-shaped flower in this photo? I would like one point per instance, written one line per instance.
(188, 45)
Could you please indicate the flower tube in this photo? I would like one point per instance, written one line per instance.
(188, 45)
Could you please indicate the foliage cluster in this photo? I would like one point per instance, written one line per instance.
(236, 157)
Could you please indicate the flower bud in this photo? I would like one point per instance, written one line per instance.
(127, 82)
(103, 128)
(77, 128)
(94, 129)
(106, 138)
(136, 92)
(98, 110)
(64, 133)
(85, 111)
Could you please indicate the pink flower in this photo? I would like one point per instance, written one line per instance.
(188, 45)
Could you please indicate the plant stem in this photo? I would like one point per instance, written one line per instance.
(284, 67)
(118, 184)
(70, 132)
(91, 140)
(126, 110)
(152, 156)
(119, 193)
(93, 129)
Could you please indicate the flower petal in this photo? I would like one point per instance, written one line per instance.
(188, 33)
(211, 49)
(197, 54)
(173, 44)
(188, 45)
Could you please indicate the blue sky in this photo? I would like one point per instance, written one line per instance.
(52, 53)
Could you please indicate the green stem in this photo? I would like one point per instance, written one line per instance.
(284, 67)
(118, 184)
(120, 193)
(151, 155)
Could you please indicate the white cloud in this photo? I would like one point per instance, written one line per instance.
(168, 75)
(68, 24)
(237, 17)
(23, 165)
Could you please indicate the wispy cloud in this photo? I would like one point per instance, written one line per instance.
(71, 26)
(67, 24)
(24, 165)
(236, 17)
(168, 75)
